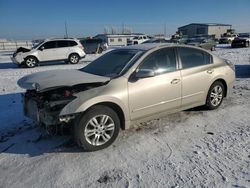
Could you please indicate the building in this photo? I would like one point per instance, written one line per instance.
(213, 29)
(117, 39)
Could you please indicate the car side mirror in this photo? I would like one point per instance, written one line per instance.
(41, 48)
(145, 73)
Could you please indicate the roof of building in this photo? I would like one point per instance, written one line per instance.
(206, 24)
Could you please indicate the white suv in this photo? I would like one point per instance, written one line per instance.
(70, 50)
(138, 39)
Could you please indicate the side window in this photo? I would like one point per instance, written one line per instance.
(160, 61)
(62, 43)
(193, 57)
(49, 45)
(72, 43)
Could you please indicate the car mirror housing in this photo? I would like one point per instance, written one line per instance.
(144, 73)
(41, 48)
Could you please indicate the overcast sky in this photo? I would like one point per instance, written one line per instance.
(31, 19)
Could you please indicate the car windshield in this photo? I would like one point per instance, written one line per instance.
(112, 63)
(196, 40)
(36, 45)
(244, 35)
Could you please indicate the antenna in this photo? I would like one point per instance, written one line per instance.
(66, 29)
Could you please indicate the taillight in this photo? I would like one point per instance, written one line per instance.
(81, 46)
(230, 64)
(67, 93)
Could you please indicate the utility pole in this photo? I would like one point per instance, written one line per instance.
(123, 28)
(165, 29)
(66, 29)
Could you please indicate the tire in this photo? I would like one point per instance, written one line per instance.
(97, 128)
(247, 44)
(215, 95)
(31, 61)
(100, 50)
(74, 58)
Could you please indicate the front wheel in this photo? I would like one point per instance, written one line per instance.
(97, 128)
(31, 62)
(215, 95)
(74, 58)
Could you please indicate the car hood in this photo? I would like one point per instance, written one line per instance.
(47, 80)
(242, 38)
(194, 43)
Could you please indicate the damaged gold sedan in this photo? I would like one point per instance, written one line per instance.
(126, 86)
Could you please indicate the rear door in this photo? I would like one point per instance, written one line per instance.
(197, 73)
(62, 49)
(156, 94)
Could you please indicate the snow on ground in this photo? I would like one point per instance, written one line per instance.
(193, 148)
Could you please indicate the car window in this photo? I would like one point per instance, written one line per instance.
(160, 61)
(72, 43)
(62, 43)
(49, 45)
(193, 57)
(110, 64)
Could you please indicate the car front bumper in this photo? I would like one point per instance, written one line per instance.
(16, 60)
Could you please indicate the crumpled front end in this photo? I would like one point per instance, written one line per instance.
(45, 107)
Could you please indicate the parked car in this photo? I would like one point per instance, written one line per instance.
(243, 40)
(206, 43)
(227, 39)
(157, 40)
(69, 50)
(138, 40)
(124, 86)
(94, 45)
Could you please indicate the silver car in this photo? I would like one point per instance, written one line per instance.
(124, 86)
(69, 50)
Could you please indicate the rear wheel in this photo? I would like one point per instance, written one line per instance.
(97, 128)
(31, 62)
(74, 58)
(99, 50)
(215, 95)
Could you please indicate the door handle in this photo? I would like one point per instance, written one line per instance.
(210, 71)
(175, 81)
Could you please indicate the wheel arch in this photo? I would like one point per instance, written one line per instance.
(71, 53)
(224, 84)
(31, 56)
(116, 109)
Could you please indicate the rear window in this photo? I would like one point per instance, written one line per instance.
(193, 57)
(62, 43)
(72, 43)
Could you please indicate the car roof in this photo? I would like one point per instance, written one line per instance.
(55, 39)
(147, 46)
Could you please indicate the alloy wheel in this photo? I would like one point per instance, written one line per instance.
(30, 62)
(99, 130)
(74, 59)
(216, 95)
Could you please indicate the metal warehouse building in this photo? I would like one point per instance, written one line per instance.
(204, 29)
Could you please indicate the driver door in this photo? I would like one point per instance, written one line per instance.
(161, 92)
(47, 51)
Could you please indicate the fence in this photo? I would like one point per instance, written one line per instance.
(13, 45)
